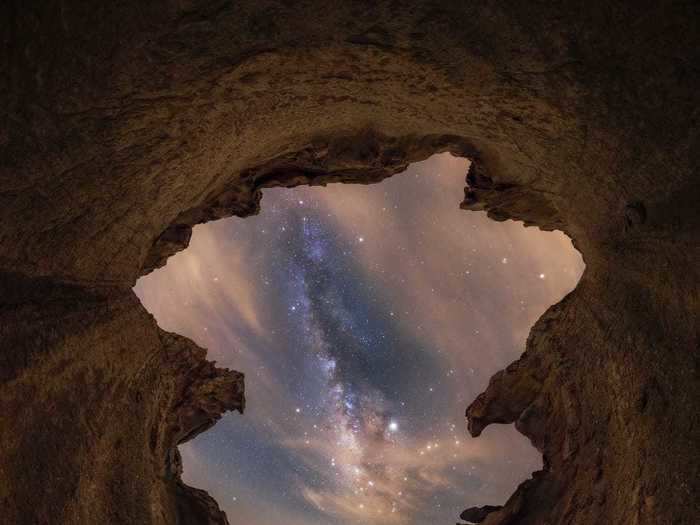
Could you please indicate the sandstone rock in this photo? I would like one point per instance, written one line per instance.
(125, 124)
(478, 514)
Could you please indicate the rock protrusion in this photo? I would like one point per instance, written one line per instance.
(478, 514)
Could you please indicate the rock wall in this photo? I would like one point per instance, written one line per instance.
(94, 399)
(125, 124)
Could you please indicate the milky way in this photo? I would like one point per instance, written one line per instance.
(365, 320)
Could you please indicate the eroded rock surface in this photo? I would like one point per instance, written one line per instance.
(94, 399)
(478, 514)
(125, 124)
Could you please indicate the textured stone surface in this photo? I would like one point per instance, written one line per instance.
(478, 514)
(94, 399)
(125, 124)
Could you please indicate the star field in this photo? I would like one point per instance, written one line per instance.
(365, 318)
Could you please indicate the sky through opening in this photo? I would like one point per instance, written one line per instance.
(366, 319)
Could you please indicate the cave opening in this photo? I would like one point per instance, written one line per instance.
(366, 318)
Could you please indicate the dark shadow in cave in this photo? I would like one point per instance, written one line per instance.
(353, 311)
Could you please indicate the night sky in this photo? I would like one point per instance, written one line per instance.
(366, 319)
